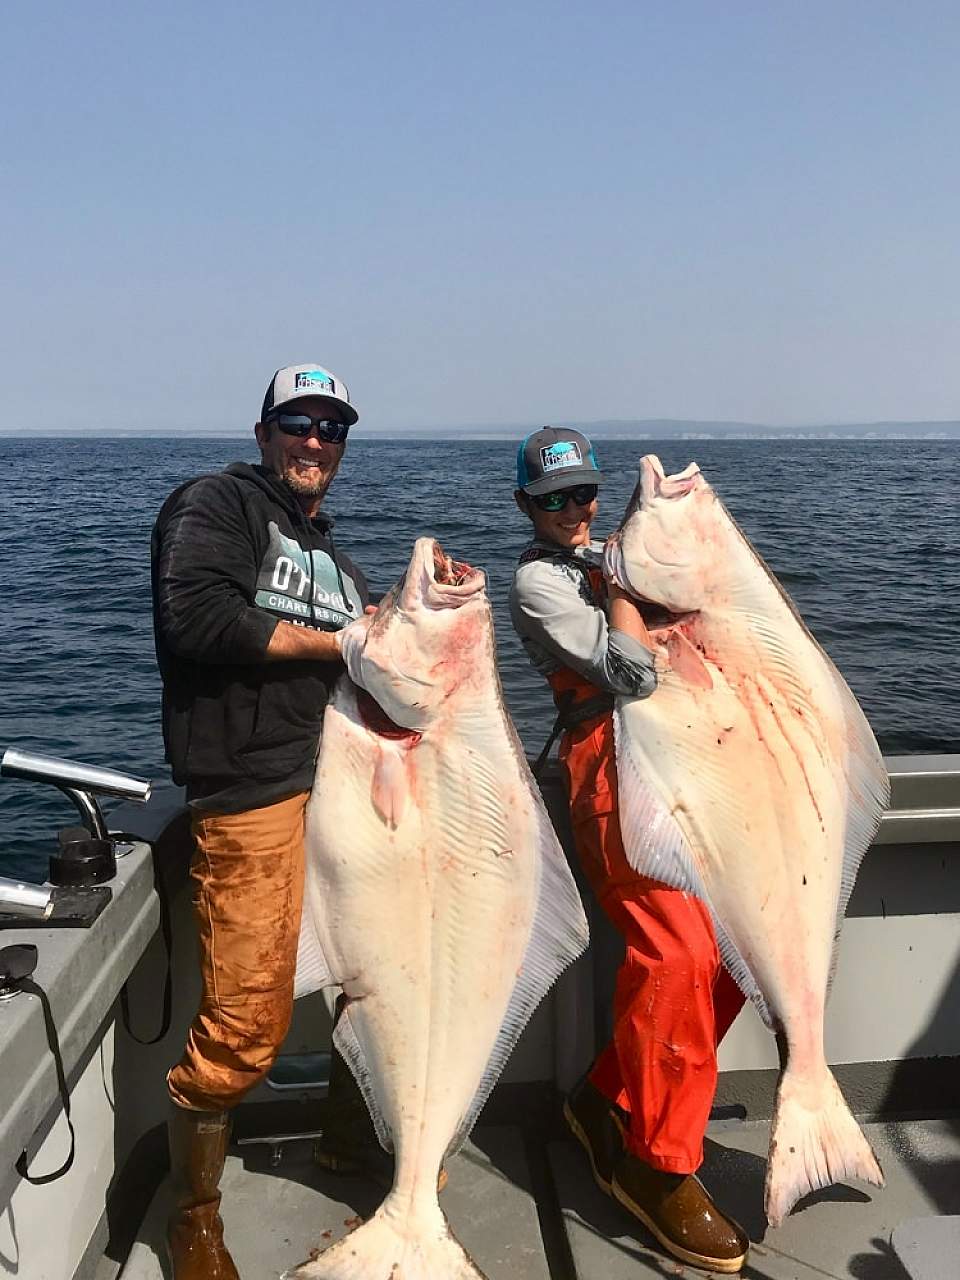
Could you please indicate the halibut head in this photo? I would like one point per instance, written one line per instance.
(751, 779)
(437, 897)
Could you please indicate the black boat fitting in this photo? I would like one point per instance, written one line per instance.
(16, 963)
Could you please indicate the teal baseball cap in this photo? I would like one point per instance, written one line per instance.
(556, 458)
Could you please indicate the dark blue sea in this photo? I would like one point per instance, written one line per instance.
(864, 535)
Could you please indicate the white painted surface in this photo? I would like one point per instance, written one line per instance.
(44, 1231)
(896, 995)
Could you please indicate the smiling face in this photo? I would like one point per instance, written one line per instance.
(306, 466)
(568, 527)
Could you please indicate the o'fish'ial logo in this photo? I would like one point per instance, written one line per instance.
(565, 453)
(314, 380)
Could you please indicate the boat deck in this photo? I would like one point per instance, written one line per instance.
(528, 1211)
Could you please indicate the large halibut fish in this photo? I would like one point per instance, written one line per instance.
(751, 779)
(437, 897)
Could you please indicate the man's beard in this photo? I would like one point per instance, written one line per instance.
(303, 486)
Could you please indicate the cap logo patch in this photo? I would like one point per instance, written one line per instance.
(314, 380)
(565, 453)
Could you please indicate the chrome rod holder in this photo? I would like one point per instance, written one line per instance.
(81, 782)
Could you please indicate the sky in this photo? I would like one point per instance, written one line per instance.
(480, 213)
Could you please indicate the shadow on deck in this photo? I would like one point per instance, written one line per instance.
(529, 1211)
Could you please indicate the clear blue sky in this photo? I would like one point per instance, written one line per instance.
(480, 212)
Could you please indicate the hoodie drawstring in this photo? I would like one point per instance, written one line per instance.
(336, 564)
(328, 534)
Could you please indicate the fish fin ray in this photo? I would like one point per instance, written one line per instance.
(654, 844)
(345, 1038)
(814, 1142)
(558, 936)
(313, 971)
(740, 971)
(656, 847)
(868, 788)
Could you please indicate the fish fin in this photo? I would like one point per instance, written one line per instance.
(395, 1242)
(868, 789)
(814, 1142)
(686, 662)
(868, 786)
(346, 1041)
(740, 972)
(312, 971)
(559, 934)
(389, 788)
(656, 847)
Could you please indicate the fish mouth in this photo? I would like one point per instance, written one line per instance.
(655, 483)
(434, 580)
(447, 572)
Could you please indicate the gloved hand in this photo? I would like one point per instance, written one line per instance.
(613, 566)
(352, 639)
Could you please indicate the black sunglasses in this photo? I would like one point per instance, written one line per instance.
(300, 424)
(582, 495)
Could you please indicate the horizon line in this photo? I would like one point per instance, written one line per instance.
(644, 426)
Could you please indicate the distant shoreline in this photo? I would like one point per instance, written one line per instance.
(934, 432)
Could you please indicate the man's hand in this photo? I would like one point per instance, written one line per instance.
(290, 642)
(352, 639)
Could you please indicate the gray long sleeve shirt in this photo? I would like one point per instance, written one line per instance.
(561, 623)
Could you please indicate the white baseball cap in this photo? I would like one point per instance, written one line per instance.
(298, 381)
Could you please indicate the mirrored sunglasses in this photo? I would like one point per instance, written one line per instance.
(581, 494)
(299, 424)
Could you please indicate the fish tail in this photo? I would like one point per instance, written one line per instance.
(814, 1142)
(394, 1246)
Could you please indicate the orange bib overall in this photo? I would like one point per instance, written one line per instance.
(673, 1000)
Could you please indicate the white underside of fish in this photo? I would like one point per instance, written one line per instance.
(441, 903)
(751, 779)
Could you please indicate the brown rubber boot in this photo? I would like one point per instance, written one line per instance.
(594, 1122)
(198, 1150)
(349, 1144)
(680, 1213)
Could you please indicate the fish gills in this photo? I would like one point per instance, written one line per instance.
(751, 779)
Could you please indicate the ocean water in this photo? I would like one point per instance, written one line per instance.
(864, 535)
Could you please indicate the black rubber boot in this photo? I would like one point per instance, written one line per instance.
(349, 1144)
(594, 1122)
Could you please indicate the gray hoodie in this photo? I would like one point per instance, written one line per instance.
(562, 623)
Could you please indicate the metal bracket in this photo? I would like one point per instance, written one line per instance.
(277, 1141)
